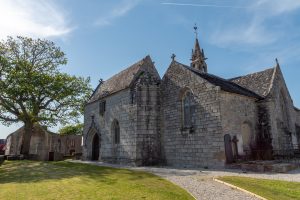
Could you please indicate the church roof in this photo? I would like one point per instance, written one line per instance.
(259, 82)
(120, 81)
(224, 84)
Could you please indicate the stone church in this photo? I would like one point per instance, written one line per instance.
(189, 117)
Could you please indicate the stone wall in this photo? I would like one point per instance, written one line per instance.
(282, 115)
(118, 107)
(42, 142)
(203, 145)
(297, 114)
(297, 125)
(71, 144)
(239, 116)
(13, 144)
(148, 119)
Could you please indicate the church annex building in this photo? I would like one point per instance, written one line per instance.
(189, 118)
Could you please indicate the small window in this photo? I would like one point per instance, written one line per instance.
(116, 132)
(102, 107)
(188, 110)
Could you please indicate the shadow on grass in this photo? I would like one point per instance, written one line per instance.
(33, 171)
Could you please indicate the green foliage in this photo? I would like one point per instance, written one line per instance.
(70, 181)
(269, 189)
(76, 129)
(32, 88)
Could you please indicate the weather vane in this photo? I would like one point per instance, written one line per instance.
(196, 30)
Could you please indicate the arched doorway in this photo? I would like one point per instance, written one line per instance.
(245, 138)
(96, 147)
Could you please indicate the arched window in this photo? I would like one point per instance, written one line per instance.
(116, 132)
(188, 109)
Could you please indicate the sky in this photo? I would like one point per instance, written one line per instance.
(100, 37)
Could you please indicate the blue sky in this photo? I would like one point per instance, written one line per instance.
(101, 37)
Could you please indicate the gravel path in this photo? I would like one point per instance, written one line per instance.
(200, 182)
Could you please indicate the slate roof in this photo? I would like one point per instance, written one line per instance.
(259, 82)
(224, 84)
(120, 81)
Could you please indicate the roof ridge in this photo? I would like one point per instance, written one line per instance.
(140, 62)
(234, 78)
(272, 81)
(121, 80)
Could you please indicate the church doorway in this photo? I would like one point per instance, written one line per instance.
(96, 147)
(51, 156)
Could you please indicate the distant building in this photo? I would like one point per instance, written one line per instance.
(44, 145)
(189, 118)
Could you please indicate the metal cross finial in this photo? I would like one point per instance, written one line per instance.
(173, 56)
(101, 81)
(196, 30)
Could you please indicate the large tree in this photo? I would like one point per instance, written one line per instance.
(74, 129)
(34, 90)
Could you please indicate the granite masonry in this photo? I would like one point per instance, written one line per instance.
(189, 118)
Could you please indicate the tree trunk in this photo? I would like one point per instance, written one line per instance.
(26, 139)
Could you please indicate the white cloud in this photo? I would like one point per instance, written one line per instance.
(256, 31)
(253, 33)
(120, 10)
(276, 7)
(33, 18)
(200, 5)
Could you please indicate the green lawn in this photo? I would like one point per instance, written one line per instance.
(64, 180)
(269, 189)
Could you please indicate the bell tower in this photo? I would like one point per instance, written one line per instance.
(198, 57)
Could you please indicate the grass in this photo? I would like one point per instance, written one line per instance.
(269, 189)
(63, 180)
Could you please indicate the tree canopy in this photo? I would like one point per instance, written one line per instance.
(32, 87)
(76, 129)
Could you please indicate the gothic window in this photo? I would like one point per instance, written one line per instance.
(102, 107)
(116, 132)
(188, 110)
(133, 95)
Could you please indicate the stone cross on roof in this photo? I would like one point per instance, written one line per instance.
(173, 57)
